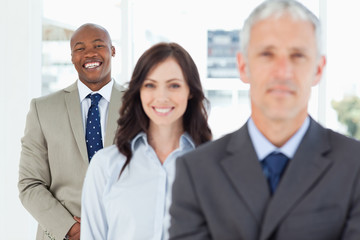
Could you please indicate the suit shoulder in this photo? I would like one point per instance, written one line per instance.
(210, 150)
(341, 141)
(50, 97)
(341, 149)
(47, 105)
(56, 96)
(119, 87)
(117, 93)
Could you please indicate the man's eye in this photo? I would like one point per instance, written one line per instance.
(266, 54)
(79, 49)
(99, 46)
(297, 55)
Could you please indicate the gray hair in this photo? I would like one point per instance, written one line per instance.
(277, 8)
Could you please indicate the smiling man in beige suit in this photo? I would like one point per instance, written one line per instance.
(54, 156)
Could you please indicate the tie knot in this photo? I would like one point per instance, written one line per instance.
(276, 162)
(95, 98)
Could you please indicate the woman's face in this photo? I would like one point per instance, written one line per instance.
(164, 95)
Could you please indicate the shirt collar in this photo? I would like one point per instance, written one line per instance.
(186, 141)
(137, 140)
(105, 91)
(264, 147)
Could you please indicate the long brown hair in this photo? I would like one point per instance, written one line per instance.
(132, 116)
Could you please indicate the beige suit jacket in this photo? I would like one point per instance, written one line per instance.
(54, 158)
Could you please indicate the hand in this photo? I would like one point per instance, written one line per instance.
(77, 219)
(74, 232)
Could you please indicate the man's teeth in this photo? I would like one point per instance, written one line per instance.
(163, 110)
(92, 65)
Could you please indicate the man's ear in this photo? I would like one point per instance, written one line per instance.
(113, 51)
(319, 70)
(242, 67)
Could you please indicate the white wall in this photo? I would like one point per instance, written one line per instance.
(20, 80)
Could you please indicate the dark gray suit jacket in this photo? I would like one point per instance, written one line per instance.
(220, 191)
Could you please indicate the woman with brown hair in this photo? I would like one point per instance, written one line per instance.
(127, 189)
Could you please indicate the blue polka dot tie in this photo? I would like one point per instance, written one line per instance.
(274, 165)
(93, 127)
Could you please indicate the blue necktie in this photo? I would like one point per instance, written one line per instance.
(93, 127)
(274, 165)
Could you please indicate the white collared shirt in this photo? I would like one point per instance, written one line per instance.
(136, 205)
(105, 92)
(264, 147)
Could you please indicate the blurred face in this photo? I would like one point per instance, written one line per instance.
(91, 53)
(281, 67)
(164, 95)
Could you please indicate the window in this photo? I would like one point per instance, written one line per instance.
(135, 25)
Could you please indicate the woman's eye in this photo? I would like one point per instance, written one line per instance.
(149, 85)
(175, 85)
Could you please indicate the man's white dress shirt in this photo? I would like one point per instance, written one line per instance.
(105, 92)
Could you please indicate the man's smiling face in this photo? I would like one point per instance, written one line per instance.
(91, 52)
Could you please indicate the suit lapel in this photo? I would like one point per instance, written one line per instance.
(304, 171)
(72, 101)
(113, 114)
(245, 173)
